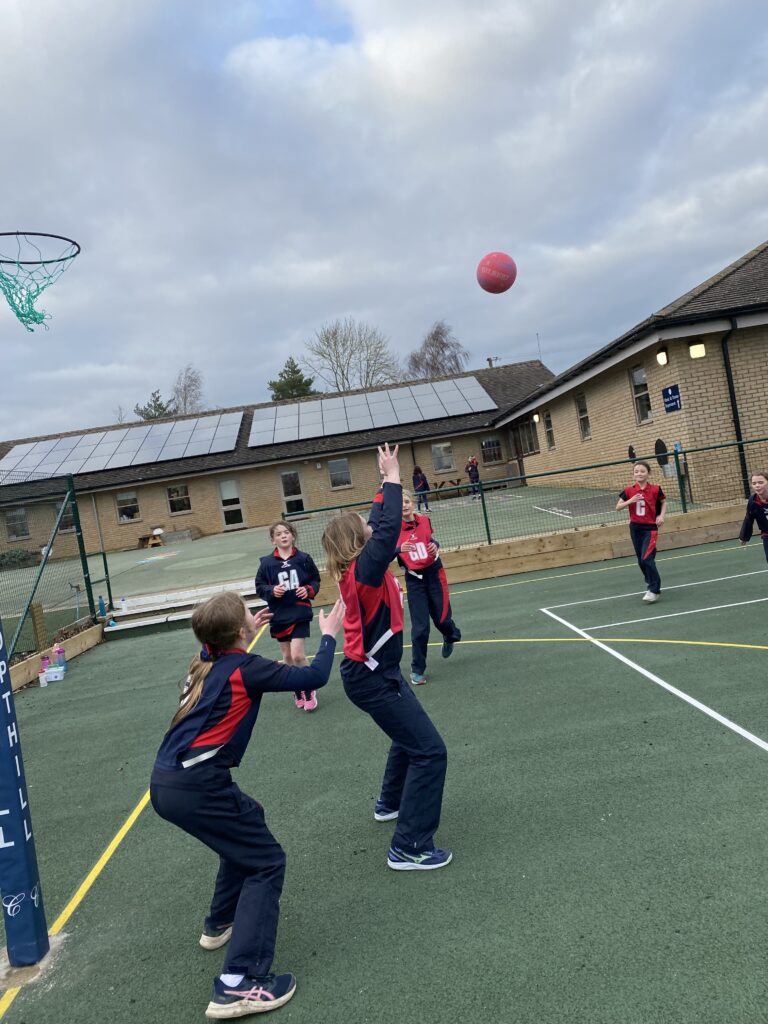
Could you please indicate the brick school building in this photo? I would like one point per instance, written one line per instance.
(695, 374)
(280, 457)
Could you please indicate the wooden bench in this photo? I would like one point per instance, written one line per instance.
(153, 539)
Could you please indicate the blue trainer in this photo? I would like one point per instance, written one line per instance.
(447, 650)
(252, 995)
(429, 860)
(418, 679)
(383, 813)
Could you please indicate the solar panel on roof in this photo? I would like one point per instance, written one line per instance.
(110, 449)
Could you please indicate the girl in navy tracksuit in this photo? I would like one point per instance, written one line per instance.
(647, 506)
(288, 580)
(358, 558)
(757, 511)
(427, 588)
(192, 787)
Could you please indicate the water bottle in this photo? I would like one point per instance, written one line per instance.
(60, 658)
(102, 607)
(123, 605)
(45, 663)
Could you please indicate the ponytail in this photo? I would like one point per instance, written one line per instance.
(216, 623)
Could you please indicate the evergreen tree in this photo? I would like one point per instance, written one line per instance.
(291, 383)
(155, 408)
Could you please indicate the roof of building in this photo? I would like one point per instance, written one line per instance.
(506, 385)
(741, 287)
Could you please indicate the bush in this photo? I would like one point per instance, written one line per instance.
(18, 559)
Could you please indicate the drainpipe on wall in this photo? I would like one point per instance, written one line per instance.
(98, 524)
(724, 343)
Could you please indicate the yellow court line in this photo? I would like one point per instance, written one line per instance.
(584, 640)
(581, 572)
(10, 994)
(612, 640)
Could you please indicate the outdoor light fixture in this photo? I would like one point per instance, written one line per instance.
(697, 349)
(535, 417)
(662, 356)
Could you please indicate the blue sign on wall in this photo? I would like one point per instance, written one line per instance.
(23, 913)
(671, 396)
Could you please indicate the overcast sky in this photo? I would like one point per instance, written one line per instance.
(239, 173)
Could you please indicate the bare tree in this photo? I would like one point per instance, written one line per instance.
(439, 354)
(187, 393)
(348, 354)
(120, 414)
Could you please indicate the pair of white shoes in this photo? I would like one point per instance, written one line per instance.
(650, 597)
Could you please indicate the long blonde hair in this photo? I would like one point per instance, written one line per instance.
(216, 623)
(343, 540)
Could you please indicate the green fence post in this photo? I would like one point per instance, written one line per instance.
(81, 546)
(680, 480)
(485, 513)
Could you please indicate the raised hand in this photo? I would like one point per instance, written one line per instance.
(331, 623)
(389, 467)
(262, 617)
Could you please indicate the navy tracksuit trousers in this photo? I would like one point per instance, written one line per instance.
(428, 599)
(251, 863)
(644, 541)
(415, 773)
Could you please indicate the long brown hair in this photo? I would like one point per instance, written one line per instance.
(216, 622)
(343, 540)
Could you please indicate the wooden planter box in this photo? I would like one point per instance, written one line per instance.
(25, 672)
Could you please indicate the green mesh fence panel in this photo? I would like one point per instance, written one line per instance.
(30, 262)
(40, 566)
(584, 497)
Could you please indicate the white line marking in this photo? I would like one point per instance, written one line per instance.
(674, 615)
(660, 682)
(552, 512)
(677, 586)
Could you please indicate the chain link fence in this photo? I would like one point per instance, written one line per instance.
(583, 497)
(44, 590)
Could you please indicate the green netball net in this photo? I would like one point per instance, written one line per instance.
(30, 262)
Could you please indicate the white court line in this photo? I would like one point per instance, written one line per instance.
(677, 586)
(660, 682)
(674, 615)
(552, 512)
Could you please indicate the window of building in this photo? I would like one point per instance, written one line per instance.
(338, 473)
(67, 523)
(640, 394)
(442, 457)
(127, 506)
(16, 523)
(526, 437)
(178, 499)
(549, 431)
(490, 448)
(581, 412)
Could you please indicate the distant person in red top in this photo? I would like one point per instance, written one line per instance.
(647, 506)
(757, 510)
(427, 588)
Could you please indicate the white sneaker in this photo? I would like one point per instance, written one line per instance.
(650, 597)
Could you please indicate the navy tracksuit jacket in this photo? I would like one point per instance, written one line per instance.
(757, 512)
(192, 787)
(373, 645)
